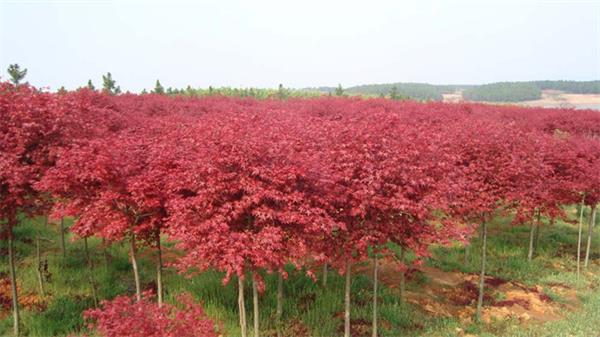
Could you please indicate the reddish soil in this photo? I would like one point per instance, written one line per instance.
(454, 294)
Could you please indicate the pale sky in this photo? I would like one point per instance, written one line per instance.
(299, 43)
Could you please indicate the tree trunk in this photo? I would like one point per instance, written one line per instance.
(482, 274)
(531, 238)
(13, 282)
(255, 306)
(375, 274)
(62, 238)
(324, 276)
(40, 267)
(159, 267)
(589, 238)
(537, 232)
(40, 276)
(242, 308)
(136, 275)
(402, 278)
(466, 255)
(347, 300)
(279, 311)
(90, 271)
(580, 229)
(107, 257)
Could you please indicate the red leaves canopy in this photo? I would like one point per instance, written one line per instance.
(125, 317)
(244, 185)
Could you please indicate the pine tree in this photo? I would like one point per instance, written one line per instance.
(90, 85)
(158, 88)
(281, 92)
(109, 85)
(16, 74)
(339, 91)
(394, 93)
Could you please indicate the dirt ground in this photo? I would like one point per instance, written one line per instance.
(550, 99)
(454, 294)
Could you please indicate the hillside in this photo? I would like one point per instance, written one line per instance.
(491, 92)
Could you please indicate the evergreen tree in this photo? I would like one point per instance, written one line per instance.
(16, 74)
(109, 85)
(144, 92)
(90, 85)
(158, 88)
(62, 90)
(281, 92)
(394, 93)
(339, 91)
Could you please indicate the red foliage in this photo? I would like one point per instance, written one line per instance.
(125, 317)
(247, 185)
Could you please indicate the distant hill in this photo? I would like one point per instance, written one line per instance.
(492, 92)
(503, 92)
(574, 87)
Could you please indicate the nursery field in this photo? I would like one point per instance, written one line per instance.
(174, 215)
(545, 297)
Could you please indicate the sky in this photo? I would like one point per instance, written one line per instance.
(301, 43)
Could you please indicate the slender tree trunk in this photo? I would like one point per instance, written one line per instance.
(38, 255)
(136, 275)
(40, 267)
(375, 293)
(159, 267)
(589, 237)
(347, 300)
(580, 229)
(531, 238)
(537, 232)
(279, 311)
(402, 277)
(482, 274)
(107, 257)
(90, 271)
(466, 255)
(255, 306)
(13, 282)
(62, 238)
(242, 308)
(324, 276)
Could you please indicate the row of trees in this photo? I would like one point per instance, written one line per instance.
(109, 86)
(503, 92)
(247, 186)
(415, 91)
(577, 87)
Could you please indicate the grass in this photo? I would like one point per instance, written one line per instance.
(308, 307)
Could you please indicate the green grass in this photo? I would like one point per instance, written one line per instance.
(308, 306)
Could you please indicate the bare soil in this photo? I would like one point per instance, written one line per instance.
(550, 99)
(454, 294)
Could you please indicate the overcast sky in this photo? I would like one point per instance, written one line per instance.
(299, 43)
